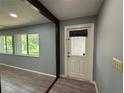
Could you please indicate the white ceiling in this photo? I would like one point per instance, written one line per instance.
(27, 14)
(68, 9)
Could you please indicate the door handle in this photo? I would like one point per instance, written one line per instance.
(68, 54)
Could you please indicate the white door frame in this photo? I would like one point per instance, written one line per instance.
(90, 27)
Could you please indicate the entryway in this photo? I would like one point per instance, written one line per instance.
(67, 85)
(79, 42)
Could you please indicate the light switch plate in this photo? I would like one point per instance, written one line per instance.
(117, 64)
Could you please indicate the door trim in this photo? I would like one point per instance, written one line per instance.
(90, 27)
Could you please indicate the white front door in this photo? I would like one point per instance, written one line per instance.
(78, 53)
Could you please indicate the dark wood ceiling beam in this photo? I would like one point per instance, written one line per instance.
(44, 11)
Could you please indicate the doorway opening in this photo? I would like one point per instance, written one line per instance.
(79, 44)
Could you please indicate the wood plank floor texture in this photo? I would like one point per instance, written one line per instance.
(65, 85)
(20, 81)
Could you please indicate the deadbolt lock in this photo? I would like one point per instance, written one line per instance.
(68, 39)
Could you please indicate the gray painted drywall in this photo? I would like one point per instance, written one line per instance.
(108, 44)
(46, 62)
(83, 20)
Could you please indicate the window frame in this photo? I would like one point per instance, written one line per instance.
(28, 51)
(27, 45)
(14, 45)
(5, 35)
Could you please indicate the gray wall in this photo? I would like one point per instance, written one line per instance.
(109, 44)
(83, 20)
(46, 62)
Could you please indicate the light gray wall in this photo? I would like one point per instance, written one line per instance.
(109, 44)
(46, 62)
(83, 20)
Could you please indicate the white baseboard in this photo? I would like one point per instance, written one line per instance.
(94, 82)
(27, 70)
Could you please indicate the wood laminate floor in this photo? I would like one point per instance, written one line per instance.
(65, 85)
(20, 81)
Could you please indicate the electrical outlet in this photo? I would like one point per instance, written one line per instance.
(117, 64)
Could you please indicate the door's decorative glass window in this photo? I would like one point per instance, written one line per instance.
(78, 46)
(78, 42)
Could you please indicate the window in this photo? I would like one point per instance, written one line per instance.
(21, 44)
(78, 42)
(6, 45)
(2, 44)
(27, 44)
(9, 45)
(33, 44)
(24, 44)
